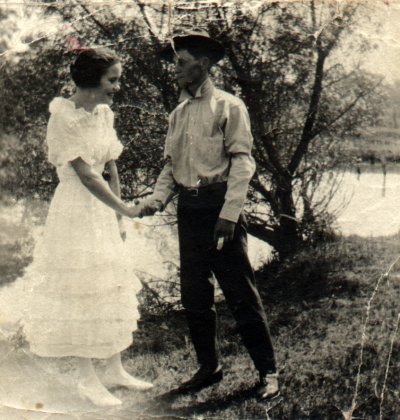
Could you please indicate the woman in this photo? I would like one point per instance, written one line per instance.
(83, 301)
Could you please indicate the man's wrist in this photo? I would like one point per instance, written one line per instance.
(227, 220)
(159, 203)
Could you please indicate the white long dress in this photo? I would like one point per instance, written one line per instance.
(83, 290)
(78, 296)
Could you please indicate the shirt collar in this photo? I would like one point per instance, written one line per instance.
(203, 90)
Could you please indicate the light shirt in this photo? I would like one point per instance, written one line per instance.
(208, 141)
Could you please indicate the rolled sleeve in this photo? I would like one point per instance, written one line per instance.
(165, 187)
(238, 143)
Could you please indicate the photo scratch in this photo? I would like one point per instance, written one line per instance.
(199, 209)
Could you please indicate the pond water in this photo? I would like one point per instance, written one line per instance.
(372, 202)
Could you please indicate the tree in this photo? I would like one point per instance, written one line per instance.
(280, 60)
(300, 107)
(392, 111)
(30, 80)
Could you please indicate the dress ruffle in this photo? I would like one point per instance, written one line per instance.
(80, 290)
(115, 149)
(74, 132)
(86, 321)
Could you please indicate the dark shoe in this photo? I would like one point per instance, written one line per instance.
(203, 378)
(268, 387)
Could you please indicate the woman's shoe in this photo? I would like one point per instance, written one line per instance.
(99, 397)
(125, 380)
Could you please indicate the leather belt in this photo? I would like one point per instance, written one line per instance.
(204, 189)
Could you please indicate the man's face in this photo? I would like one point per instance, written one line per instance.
(188, 69)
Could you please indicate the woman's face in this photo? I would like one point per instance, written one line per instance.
(109, 84)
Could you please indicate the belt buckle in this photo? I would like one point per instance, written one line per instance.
(193, 192)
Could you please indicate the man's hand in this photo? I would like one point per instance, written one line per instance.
(149, 207)
(224, 229)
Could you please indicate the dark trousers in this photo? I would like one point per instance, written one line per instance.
(197, 216)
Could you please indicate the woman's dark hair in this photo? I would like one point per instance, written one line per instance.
(90, 65)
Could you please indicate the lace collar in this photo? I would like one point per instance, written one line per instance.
(60, 104)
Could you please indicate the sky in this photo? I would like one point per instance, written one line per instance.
(385, 59)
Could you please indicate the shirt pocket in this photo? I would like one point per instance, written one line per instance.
(212, 150)
(213, 124)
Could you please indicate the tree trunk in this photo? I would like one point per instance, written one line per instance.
(288, 237)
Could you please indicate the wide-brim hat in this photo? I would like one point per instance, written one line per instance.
(199, 39)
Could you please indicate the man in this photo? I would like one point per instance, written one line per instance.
(209, 165)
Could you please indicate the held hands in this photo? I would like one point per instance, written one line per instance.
(144, 208)
(223, 232)
(149, 207)
(133, 212)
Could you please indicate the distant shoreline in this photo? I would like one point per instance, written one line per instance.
(377, 167)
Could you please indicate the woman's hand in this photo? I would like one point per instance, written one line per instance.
(135, 211)
(122, 230)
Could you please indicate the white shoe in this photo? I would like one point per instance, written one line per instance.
(127, 381)
(98, 396)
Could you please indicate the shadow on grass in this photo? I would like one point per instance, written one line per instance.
(162, 404)
(310, 275)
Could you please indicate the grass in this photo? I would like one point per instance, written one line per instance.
(316, 304)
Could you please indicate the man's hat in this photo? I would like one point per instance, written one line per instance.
(197, 39)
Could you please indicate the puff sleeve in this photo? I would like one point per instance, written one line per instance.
(65, 138)
(115, 146)
(115, 149)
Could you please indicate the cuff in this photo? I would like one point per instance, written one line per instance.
(158, 196)
(230, 213)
